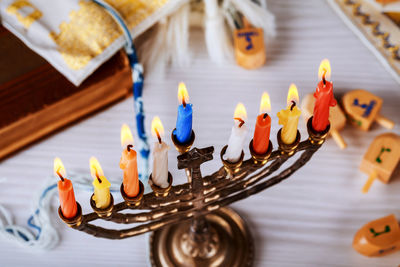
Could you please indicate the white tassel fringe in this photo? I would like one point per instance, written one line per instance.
(218, 40)
(168, 43)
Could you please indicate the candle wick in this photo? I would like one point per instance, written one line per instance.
(241, 122)
(323, 77)
(98, 178)
(265, 115)
(183, 102)
(293, 105)
(128, 147)
(61, 177)
(158, 136)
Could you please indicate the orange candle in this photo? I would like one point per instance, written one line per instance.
(323, 98)
(263, 126)
(128, 163)
(65, 191)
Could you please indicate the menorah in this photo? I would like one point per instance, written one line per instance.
(190, 223)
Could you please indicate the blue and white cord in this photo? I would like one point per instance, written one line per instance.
(42, 234)
(137, 77)
(39, 221)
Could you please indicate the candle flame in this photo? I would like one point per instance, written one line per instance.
(59, 169)
(183, 95)
(157, 129)
(265, 105)
(126, 136)
(324, 71)
(240, 112)
(293, 95)
(95, 168)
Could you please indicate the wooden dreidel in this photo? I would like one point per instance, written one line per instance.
(378, 238)
(249, 46)
(337, 118)
(362, 109)
(381, 159)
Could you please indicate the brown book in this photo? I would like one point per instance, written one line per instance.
(36, 100)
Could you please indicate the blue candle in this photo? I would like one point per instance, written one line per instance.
(184, 119)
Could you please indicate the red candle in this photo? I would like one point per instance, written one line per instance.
(65, 191)
(128, 163)
(263, 127)
(323, 98)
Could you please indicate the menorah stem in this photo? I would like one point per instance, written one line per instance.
(199, 225)
(188, 175)
(202, 241)
(197, 186)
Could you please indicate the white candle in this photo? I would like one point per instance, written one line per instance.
(160, 164)
(160, 155)
(238, 135)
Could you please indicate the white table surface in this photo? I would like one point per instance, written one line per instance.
(307, 220)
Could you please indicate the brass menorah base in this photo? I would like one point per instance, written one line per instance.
(192, 226)
(224, 240)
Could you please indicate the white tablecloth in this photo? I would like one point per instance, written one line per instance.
(307, 220)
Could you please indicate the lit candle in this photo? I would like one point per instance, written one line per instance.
(101, 185)
(128, 163)
(263, 126)
(324, 98)
(289, 117)
(238, 134)
(160, 155)
(184, 120)
(68, 204)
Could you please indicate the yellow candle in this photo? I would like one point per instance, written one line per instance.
(289, 117)
(101, 185)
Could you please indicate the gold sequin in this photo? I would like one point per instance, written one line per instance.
(90, 29)
(26, 20)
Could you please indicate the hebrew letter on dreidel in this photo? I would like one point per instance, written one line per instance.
(378, 237)
(337, 118)
(378, 158)
(249, 47)
(362, 108)
(367, 107)
(381, 158)
(387, 230)
(248, 35)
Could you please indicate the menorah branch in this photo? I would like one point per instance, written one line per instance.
(203, 194)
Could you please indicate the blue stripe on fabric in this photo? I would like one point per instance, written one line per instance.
(137, 85)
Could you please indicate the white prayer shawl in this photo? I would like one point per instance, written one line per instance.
(77, 36)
